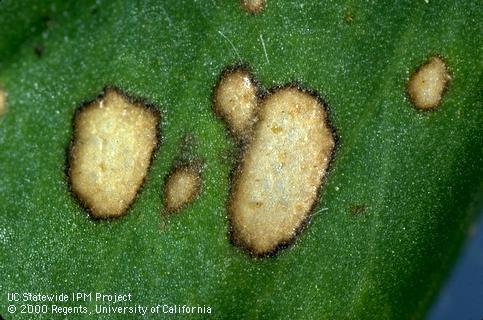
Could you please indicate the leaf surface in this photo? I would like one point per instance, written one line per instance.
(393, 209)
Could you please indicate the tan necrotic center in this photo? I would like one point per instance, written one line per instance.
(114, 140)
(426, 86)
(252, 6)
(235, 101)
(181, 187)
(281, 170)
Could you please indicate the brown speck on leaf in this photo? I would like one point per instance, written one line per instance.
(3, 100)
(349, 17)
(39, 50)
(252, 6)
(358, 209)
(47, 22)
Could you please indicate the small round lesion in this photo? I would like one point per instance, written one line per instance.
(426, 86)
(235, 101)
(252, 6)
(357, 209)
(349, 17)
(3, 101)
(182, 186)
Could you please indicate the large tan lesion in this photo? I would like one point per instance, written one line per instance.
(114, 140)
(426, 86)
(281, 171)
(182, 186)
(235, 101)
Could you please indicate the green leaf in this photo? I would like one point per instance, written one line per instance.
(393, 210)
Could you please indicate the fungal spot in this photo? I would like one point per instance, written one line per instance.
(358, 209)
(426, 86)
(47, 22)
(187, 147)
(181, 187)
(235, 101)
(276, 183)
(39, 51)
(252, 6)
(349, 18)
(3, 101)
(114, 140)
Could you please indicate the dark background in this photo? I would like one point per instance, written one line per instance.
(462, 295)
